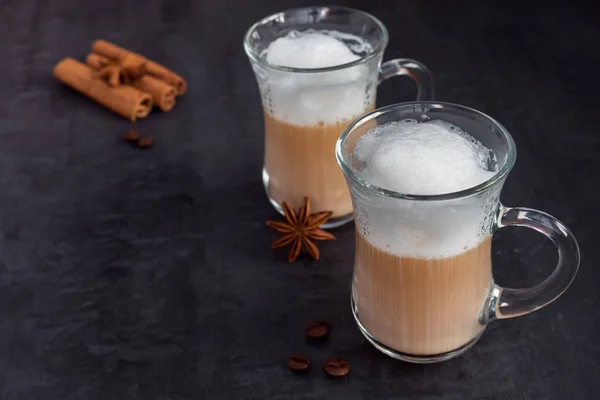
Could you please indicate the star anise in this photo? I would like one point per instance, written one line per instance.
(134, 65)
(298, 230)
(114, 75)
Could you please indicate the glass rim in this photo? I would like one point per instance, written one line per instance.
(255, 57)
(492, 181)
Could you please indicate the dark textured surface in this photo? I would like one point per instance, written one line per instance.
(148, 275)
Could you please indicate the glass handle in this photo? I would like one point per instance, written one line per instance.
(508, 303)
(417, 71)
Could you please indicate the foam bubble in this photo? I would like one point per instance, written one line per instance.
(324, 97)
(423, 158)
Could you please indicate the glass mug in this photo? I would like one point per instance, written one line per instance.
(409, 301)
(306, 109)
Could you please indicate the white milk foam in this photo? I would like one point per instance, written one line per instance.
(325, 97)
(422, 158)
(426, 158)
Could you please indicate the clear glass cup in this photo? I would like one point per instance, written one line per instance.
(423, 289)
(306, 109)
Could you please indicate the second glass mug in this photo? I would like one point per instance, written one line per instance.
(422, 288)
(306, 109)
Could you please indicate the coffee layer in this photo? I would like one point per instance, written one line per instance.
(421, 306)
(300, 161)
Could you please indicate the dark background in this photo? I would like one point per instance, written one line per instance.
(148, 275)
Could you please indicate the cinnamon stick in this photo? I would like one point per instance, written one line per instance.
(124, 100)
(162, 93)
(97, 61)
(124, 56)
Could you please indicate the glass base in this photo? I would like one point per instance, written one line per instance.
(331, 222)
(417, 359)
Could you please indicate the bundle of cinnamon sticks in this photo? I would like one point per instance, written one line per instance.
(123, 81)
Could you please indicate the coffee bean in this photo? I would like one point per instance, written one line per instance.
(298, 362)
(145, 142)
(132, 136)
(336, 367)
(317, 329)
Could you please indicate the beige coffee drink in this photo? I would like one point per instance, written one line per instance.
(305, 113)
(423, 268)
